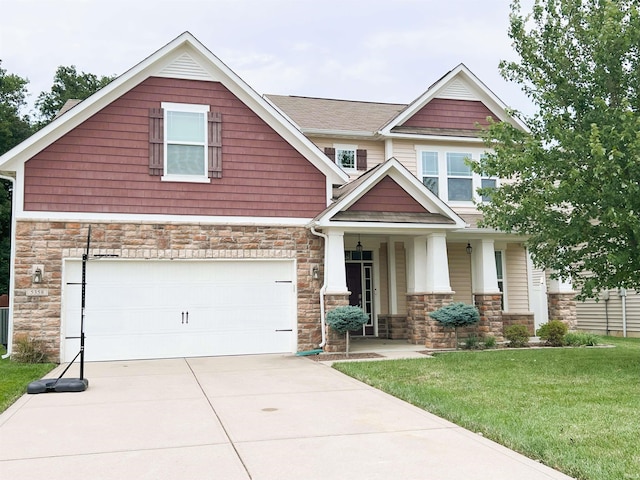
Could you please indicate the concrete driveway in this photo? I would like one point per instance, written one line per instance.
(250, 417)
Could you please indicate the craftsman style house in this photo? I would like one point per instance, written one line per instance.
(224, 222)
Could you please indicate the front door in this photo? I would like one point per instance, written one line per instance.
(360, 284)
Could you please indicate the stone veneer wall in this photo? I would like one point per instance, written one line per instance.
(421, 328)
(526, 319)
(49, 243)
(562, 306)
(336, 342)
(490, 308)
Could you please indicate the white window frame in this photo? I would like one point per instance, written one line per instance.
(443, 177)
(502, 281)
(190, 108)
(345, 147)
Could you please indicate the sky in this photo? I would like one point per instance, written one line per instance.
(371, 50)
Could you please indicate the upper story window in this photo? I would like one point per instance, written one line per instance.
(430, 171)
(349, 157)
(446, 173)
(346, 156)
(459, 177)
(185, 142)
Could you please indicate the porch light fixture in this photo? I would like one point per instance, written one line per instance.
(37, 275)
(469, 248)
(314, 272)
(359, 247)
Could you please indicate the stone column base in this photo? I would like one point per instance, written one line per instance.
(421, 328)
(562, 306)
(490, 308)
(336, 342)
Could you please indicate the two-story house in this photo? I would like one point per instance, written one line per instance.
(224, 222)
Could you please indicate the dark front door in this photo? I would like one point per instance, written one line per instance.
(360, 284)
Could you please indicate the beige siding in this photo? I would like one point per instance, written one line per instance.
(401, 278)
(592, 315)
(383, 268)
(405, 153)
(460, 272)
(516, 278)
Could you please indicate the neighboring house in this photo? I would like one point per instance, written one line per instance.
(224, 222)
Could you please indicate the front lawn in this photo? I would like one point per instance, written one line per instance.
(14, 378)
(575, 409)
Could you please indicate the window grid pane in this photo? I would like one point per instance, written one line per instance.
(431, 183)
(456, 164)
(460, 189)
(185, 127)
(185, 160)
(346, 158)
(487, 183)
(430, 163)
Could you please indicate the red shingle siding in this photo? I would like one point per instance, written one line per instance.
(387, 196)
(451, 114)
(102, 166)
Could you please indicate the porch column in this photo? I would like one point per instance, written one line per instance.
(561, 301)
(416, 265)
(437, 265)
(485, 274)
(334, 263)
(487, 295)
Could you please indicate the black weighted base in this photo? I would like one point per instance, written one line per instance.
(47, 385)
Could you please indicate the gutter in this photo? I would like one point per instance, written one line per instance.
(12, 257)
(323, 289)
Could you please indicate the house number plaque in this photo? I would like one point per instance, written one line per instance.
(37, 292)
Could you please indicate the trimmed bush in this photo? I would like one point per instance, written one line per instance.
(517, 335)
(553, 333)
(345, 319)
(456, 315)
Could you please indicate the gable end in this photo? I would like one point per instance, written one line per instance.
(387, 196)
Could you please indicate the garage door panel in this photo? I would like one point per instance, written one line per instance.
(163, 309)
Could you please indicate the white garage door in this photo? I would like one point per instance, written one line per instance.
(165, 309)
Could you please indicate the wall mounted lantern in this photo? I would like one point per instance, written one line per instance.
(469, 248)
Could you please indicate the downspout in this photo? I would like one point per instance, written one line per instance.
(323, 289)
(623, 294)
(12, 267)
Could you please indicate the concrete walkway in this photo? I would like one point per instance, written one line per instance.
(267, 417)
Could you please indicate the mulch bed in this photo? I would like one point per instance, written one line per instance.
(331, 357)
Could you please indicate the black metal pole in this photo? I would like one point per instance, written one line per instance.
(85, 257)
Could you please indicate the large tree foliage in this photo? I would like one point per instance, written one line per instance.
(14, 128)
(575, 189)
(68, 84)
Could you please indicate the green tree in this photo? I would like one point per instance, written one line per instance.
(14, 128)
(68, 84)
(575, 189)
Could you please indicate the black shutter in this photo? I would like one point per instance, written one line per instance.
(361, 159)
(156, 141)
(331, 153)
(214, 120)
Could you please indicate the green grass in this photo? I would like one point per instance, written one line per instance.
(574, 409)
(14, 378)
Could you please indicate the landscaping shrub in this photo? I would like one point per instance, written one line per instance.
(553, 333)
(490, 341)
(345, 319)
(579, 339)
(517, 335)
(456, 314)
(472, 342)
(29, 350)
